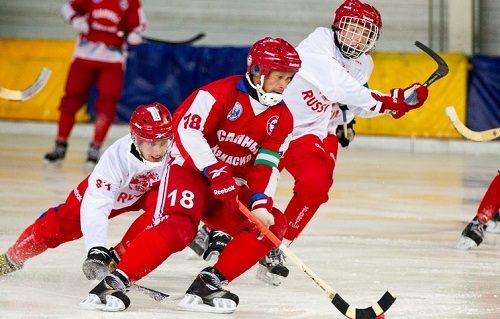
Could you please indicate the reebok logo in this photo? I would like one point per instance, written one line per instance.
(224, 190)
(218, 172)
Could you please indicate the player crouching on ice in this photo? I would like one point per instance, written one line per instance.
(125, 179)
(228, 137)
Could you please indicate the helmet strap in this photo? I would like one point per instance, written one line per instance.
(267, 99)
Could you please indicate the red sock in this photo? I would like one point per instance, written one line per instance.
(25, 247)
(242, 252)
(490, 204)
(137, 227)
(298, 216)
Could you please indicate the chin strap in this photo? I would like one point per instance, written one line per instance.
(267, 99)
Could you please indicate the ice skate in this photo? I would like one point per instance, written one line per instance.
(199, 244)
(493, 226)
(206, 294)
(217, 241)
(92, 157)
(271, 269)
(109, 294)
(56, 156)
(7, 266)
(472, 235)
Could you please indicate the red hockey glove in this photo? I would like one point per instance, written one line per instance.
(395, 105)
(223, 184)
(261, 208)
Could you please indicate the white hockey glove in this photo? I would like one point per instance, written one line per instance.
(134, 38)
(261, 208)
(80, 24)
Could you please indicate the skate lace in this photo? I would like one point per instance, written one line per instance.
(275, 257)
(115, 283)
(212, 281)
(478, 228)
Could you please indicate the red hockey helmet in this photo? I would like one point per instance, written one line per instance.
(272, 54)
(357, 26)
(151, 122)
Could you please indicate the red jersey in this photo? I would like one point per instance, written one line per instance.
(221, 122)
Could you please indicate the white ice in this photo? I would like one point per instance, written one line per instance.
(396, 211)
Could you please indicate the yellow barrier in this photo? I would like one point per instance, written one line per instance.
(20, 63)
(394, 70)
(21, 60)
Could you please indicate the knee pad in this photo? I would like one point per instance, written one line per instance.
(178, 231)
(312, 189)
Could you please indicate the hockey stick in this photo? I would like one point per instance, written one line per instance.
(440, 72)
(155, 294)
(350, 312)
(482, 136)
(189, 41)
(30, 91)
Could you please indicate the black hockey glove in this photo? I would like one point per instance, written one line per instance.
(341, 135)
(100, 261)
(217, 241)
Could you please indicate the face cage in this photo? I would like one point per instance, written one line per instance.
(366, 33)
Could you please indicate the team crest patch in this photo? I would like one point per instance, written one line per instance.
(271, 123)
(124, 5)
(235, 112)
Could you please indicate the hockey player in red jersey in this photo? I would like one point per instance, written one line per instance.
(125, 179)
(104, 28)
(335, 69)
(228, 137)
(487, 218)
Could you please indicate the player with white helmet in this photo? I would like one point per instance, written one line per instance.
(127, 175)
(230, 130)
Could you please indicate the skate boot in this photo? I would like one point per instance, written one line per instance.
(109, 294)
(472, 235)
(199, 243)
(493, 225)
(271, 269)
(206, 294)
(58, 153)
(92, 157)
(217, 241)
(7, 266)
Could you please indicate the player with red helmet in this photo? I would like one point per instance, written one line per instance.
(333, 75)
(335, 69)
(228, 137)
(125, 179)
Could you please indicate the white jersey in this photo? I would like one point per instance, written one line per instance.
(325, 80)
(118, 180)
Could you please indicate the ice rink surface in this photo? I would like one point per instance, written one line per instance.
(396, 211)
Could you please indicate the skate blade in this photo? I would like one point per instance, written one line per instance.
(194, 303)
(267, 277)
(52, 164)
(465, 243)
(113, 304)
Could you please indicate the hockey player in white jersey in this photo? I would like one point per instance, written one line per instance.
(125, 177)
(335, 71)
